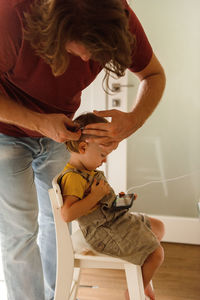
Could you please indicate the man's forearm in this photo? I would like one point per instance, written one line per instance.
(149, 94)
(18, 115)
(53, 126)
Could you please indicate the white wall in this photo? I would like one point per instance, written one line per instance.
(168, 145)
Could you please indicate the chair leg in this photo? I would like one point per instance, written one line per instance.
(75, 283)
(134, 282)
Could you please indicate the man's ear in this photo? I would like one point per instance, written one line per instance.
(82, 147)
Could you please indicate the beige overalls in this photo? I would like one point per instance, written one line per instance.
(117, 233)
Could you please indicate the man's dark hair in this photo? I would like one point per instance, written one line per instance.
(102, 26)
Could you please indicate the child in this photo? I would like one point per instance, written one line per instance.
(89, 198)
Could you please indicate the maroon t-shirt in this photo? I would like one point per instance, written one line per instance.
(28, 80)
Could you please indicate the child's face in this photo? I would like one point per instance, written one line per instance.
(94, 156)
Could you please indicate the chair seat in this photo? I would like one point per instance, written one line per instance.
(79, 243)
(80, 253)
(80, 246)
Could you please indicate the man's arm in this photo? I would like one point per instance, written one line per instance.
(151, 88)
(152, 84)
(53, 126)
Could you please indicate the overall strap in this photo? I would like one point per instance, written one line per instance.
(87, 177)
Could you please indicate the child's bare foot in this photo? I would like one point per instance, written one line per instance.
(149, 292)
(127, 295)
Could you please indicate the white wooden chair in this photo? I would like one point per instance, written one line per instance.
(70, 260)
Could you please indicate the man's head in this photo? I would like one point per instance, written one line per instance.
(101, 26)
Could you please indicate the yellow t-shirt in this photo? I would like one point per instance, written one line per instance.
(73, 184)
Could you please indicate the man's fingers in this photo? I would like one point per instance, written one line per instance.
(104, 113)
(109, 148)
(67, 135)
(96, 127)
(69, 121)
(73, 136)
(95, 133)
(105, 141)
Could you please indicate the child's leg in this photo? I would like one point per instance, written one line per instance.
(150, 266)
(154, 260)
(157, 227)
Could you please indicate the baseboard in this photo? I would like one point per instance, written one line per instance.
(181, 229)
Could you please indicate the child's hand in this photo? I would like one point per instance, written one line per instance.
(100, 189)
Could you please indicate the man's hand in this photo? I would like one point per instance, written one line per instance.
(54, 126)
(110, 134)
(57, 127)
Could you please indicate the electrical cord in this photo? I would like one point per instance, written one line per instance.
(162, 181)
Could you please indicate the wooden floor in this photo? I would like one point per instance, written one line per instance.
(177, 279)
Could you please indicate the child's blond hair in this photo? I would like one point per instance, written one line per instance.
(82, 121)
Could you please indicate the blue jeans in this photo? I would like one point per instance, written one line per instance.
(28, 245)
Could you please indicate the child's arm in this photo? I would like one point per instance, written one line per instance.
(74, 207)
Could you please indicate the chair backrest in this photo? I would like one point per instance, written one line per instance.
(57, 190)
(65, 253)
